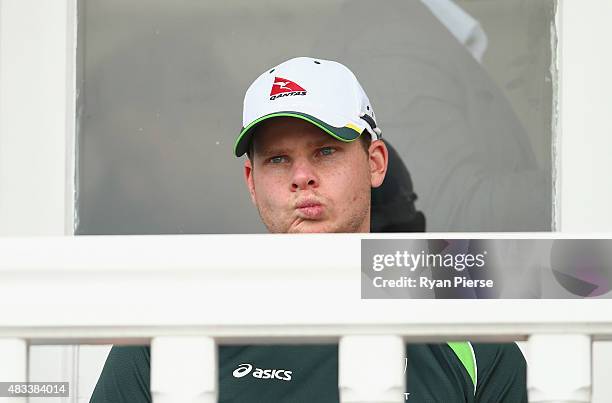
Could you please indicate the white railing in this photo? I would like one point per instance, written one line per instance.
(190, 293)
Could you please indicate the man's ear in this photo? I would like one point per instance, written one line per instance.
(379, 158)
(248, 177)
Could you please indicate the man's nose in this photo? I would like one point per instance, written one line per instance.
(304, 176)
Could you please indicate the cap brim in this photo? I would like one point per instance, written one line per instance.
(347, 133)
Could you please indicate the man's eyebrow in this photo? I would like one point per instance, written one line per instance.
(272, 150)
(280, 150)
(327, 140)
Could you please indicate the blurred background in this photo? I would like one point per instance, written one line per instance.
(463, 91)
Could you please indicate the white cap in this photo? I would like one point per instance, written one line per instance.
(322, 92)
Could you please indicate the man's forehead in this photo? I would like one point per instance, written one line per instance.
(284, 133)
(283, 124)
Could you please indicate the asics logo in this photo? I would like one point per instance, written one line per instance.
(245, 369)
(242, 370)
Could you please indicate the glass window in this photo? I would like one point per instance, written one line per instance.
(463, 91)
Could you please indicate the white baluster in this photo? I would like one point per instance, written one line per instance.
(13, 365)
(371, 369)
(559, 368)
(184, 370)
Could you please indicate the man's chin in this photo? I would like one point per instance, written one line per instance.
(302, 226)
(310, 227)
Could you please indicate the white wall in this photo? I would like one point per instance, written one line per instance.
(36, 128)
(585, 187)
(36, 116)
(586, 127)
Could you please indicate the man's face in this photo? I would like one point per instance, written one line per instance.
(303, 180)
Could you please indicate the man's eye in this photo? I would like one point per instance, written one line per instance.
(277, 159)
(327, 150)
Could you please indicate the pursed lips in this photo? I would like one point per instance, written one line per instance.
(310, 209)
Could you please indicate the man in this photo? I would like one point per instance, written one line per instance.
(314, 153)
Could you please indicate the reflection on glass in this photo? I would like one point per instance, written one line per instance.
(464, 96)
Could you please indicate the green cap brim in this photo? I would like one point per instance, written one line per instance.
(346, 134)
